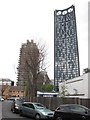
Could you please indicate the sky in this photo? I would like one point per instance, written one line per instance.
(22, 20)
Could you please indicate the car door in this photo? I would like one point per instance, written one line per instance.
(27, 109)
(30, 110)
(78, 112)
(65, 112)
(24, 109)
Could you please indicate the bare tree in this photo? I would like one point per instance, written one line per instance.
(35, 56)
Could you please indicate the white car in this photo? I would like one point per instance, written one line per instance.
(1, 98)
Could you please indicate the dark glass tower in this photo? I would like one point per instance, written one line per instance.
(66, 55)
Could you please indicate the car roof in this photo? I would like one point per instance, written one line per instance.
(64, 105)
(34, 103)
(31, 102)
(68, 104)
(13, 98)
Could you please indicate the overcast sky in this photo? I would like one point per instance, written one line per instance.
(22, 20)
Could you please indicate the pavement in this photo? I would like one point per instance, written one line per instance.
(0, 110)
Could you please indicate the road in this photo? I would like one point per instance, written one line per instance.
(6, 113)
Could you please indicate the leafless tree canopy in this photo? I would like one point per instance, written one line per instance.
(35, 56)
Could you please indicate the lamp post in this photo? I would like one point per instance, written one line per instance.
(57, 79)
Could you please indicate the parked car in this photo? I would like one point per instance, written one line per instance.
(1, 98)
(35, 110)
(16, 104)
(12, 98)
(72, 112)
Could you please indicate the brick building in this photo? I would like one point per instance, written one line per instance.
(12, 91)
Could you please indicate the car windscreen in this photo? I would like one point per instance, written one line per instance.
(19, 101)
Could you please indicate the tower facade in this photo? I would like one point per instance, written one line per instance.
(29, 63)
(26, 52)
(66, 55)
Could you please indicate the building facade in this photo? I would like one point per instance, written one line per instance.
(12, 91)
(66, 55)
(77, 87)
(5, 81)
(29, 52)
(26, 53)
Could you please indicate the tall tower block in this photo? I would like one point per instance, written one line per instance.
(66, 55)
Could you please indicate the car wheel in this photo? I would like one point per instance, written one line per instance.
(21, 113)
(13, 110)
(37, 117)
(59, 118)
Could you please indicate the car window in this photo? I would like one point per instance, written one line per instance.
(58, 108)
(63, 108)
(25, 105)
(77, 108)
(31, 106)
(28, 105)
(39, 106)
